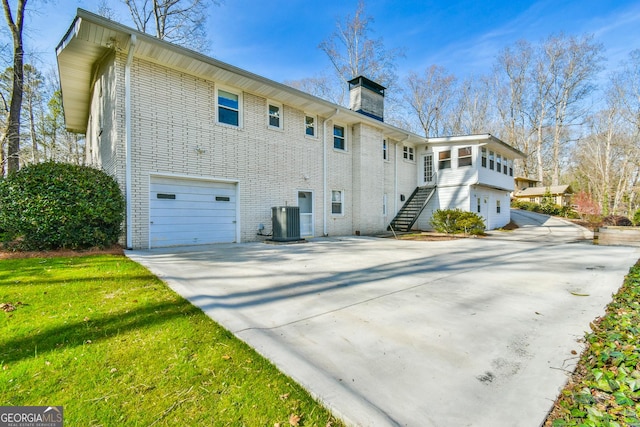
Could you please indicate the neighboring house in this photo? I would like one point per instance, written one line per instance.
(203, 150)
(521, 183)
(561, 194)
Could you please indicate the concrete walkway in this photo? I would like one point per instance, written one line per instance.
(470, 332)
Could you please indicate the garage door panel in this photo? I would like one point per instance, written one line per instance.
(191, 212)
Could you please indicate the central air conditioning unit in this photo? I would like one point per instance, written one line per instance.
(286, 223)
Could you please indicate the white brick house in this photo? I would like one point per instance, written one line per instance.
(203, 150)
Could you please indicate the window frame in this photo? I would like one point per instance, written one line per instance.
(342, 137)
(339, 202)
(483, 151)
(385, 150)
(238, 111)
(408, 153)
(498, 162)
(492, 160)
(497, 206)
(314, 126)
(279, 116)
(444, 162)
(467, 157)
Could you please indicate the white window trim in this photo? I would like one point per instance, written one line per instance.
(237, 92)
(408, 154)
(341, 203)
(386, 153)
(281, 110)
(315, 126)
(346, 139)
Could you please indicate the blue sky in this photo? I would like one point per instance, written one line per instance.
(279, 38)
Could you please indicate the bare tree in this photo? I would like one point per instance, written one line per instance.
(430, 96)
(512, 83)
(576, 62)
(12, 134)
(178, 21)
(473, 109)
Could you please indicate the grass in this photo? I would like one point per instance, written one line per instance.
(107, 340)
(605, 389)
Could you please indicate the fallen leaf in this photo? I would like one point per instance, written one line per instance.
(86, 319)
(113, 370)
(574, 352)
(294, 420)
(284, 396)
(46, 362)
(276, 425)
(226, 357)
(7, 307)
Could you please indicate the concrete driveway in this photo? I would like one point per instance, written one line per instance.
(469, 332)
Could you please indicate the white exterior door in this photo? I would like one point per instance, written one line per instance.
(305, 203)
(191, 212)
(427, 171)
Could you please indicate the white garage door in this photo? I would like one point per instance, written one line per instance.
(191, 212)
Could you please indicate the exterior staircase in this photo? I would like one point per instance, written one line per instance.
(411, 210)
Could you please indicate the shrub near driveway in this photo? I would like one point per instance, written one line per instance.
(110, 342)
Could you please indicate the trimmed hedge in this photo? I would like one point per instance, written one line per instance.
(58, 205)
(455, 221)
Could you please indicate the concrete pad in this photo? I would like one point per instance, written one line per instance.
(471, 332)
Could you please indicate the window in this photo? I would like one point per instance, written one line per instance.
(408, 153)
(491, 160)
(484, 157)
(497, 206)
(385, 150)
(229, 107)
(275, 115)
(510, 167)
(499, 163)
(479, 207)
(310, 125)
(464, 156)
(444, 160)
(338, 137)
(337, 199)
(505, 166)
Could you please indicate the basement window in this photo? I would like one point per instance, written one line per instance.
(337, 202)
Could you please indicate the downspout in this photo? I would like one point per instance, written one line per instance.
(324, 172)
(127, 126)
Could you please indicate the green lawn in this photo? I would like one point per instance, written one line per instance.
(605, 390)
(115, 346)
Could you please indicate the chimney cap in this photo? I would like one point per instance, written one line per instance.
(365, 82)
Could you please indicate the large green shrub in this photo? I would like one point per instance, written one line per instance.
(455, 221)
(636, 218)
(57, 205)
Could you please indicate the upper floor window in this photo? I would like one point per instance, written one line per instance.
(510, 167)
(484, 157)
(492, 160)
(444, 160)
(310, 125)
(408, 153)
(275, 115)
(229, 111)
(385, 150)
(505, 166)
(338, 138)
(464, 156)
(499, 163)
(497, 206)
